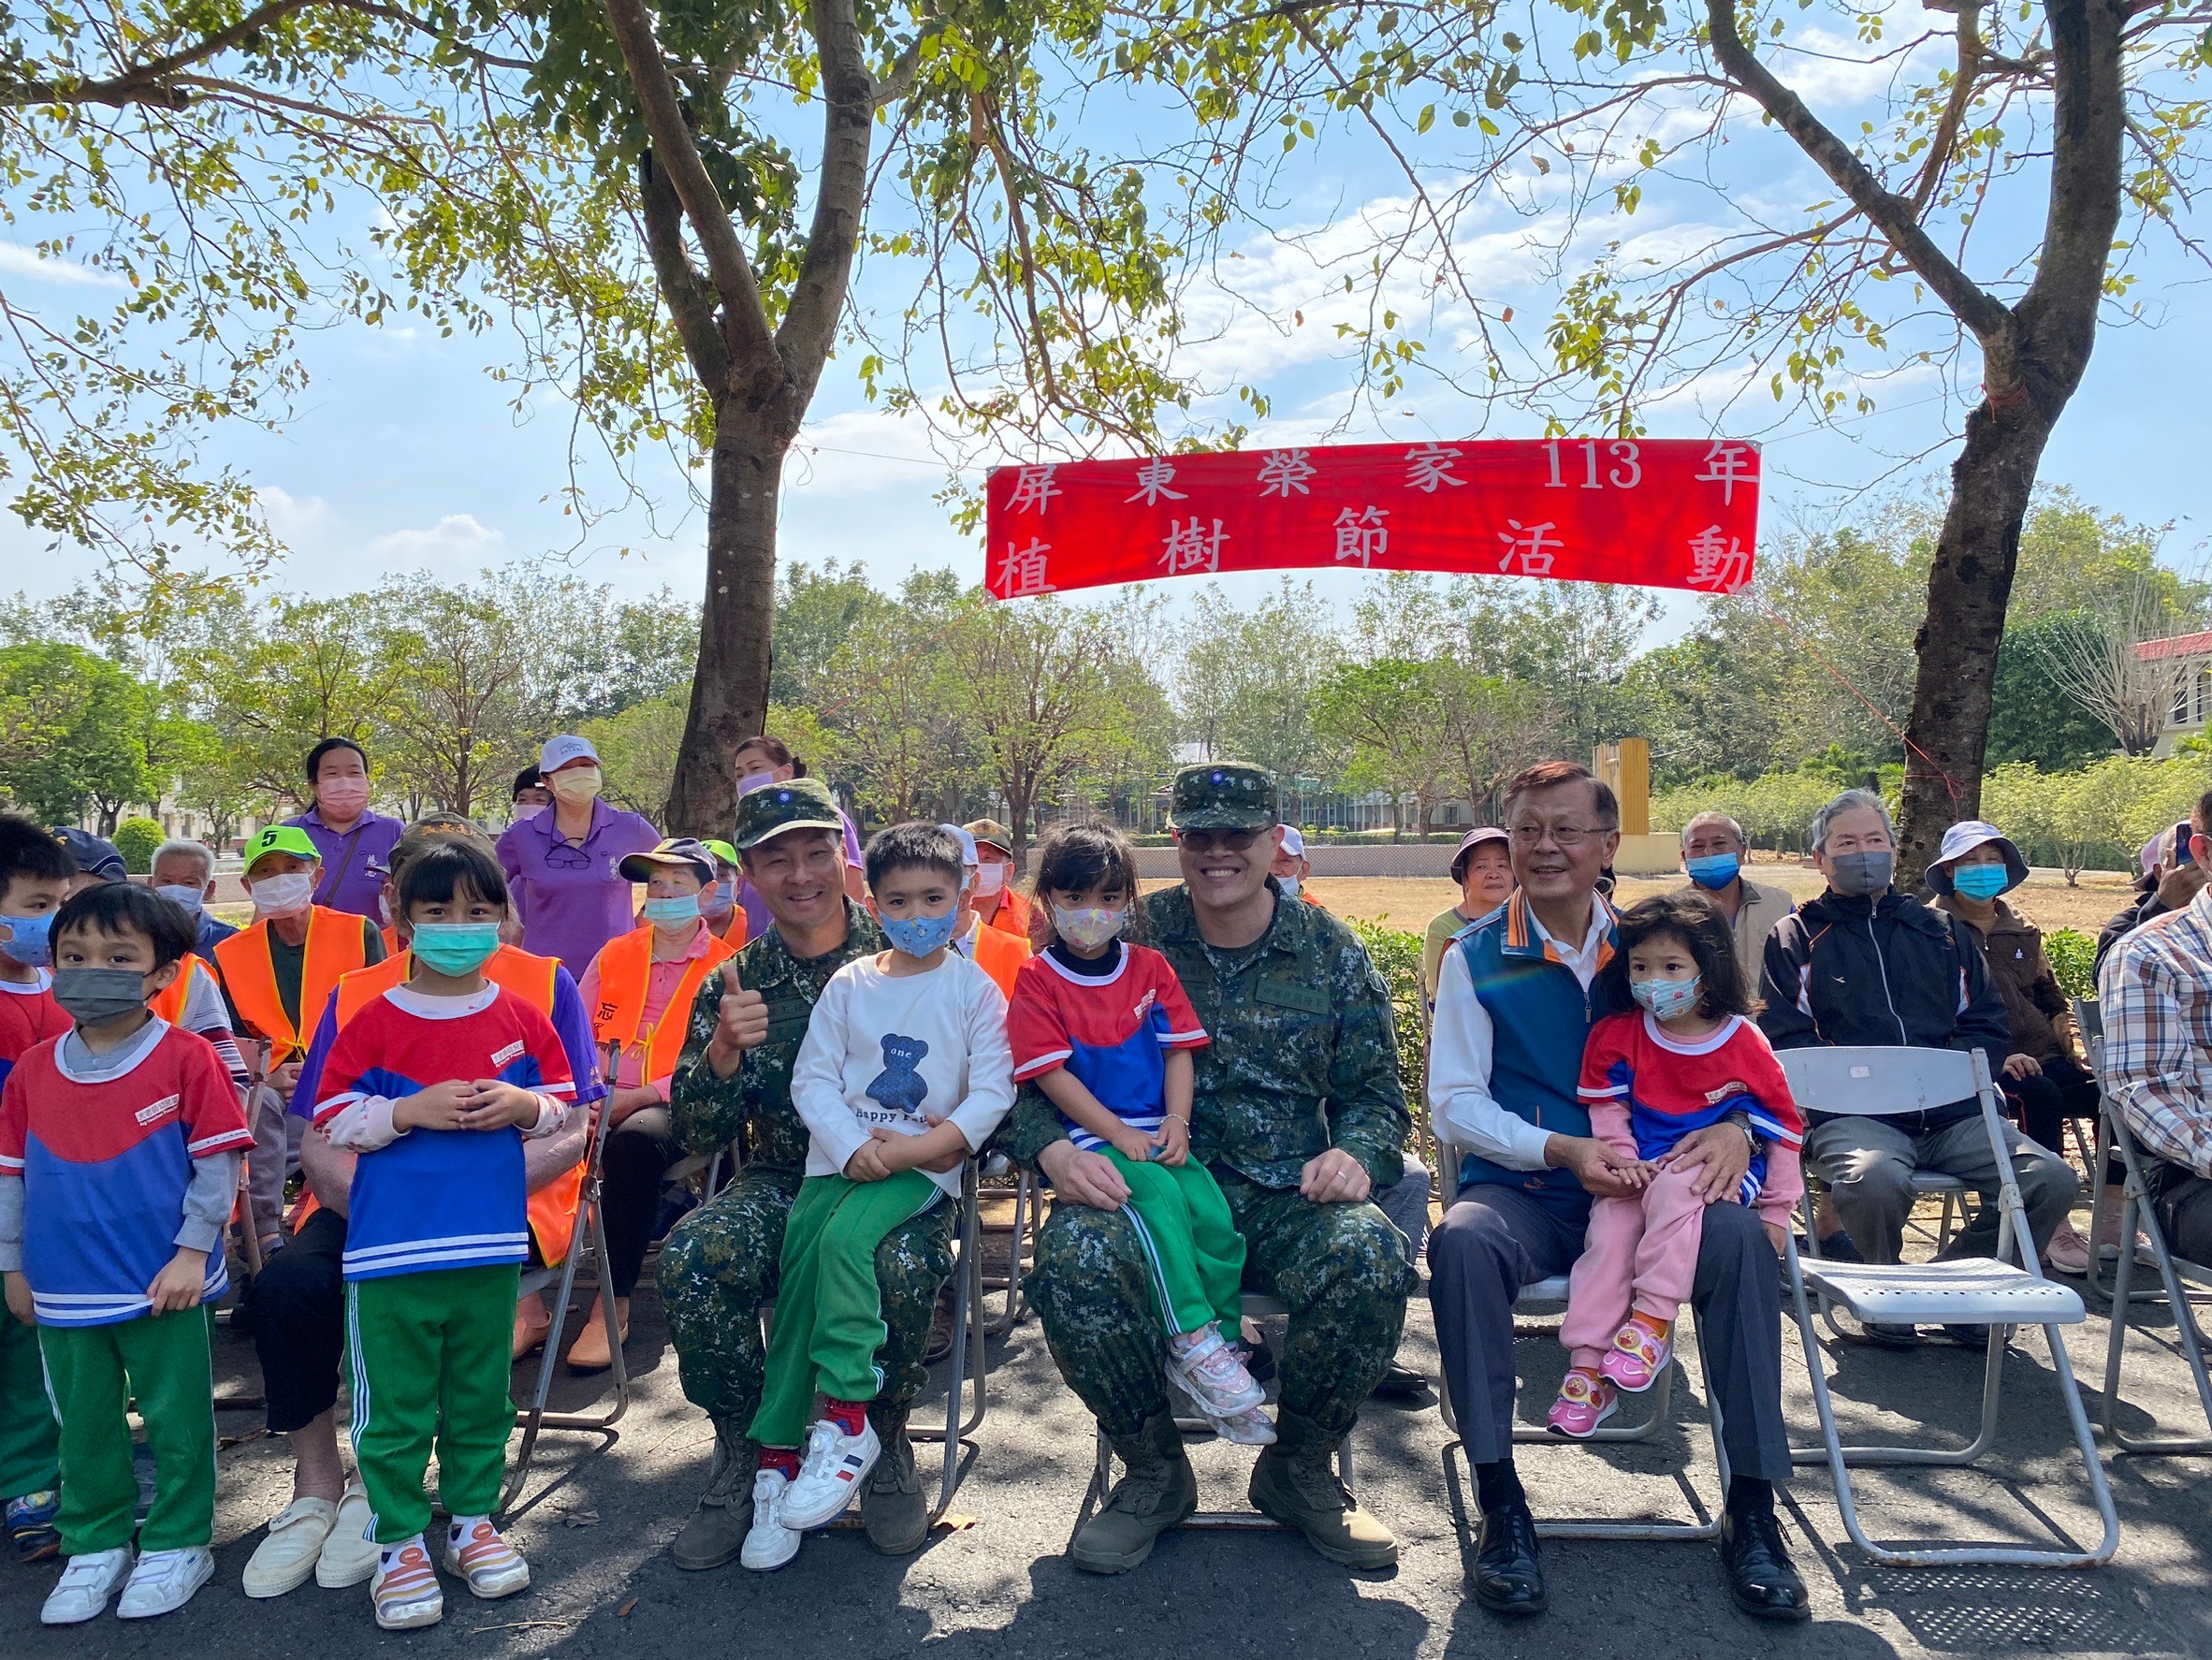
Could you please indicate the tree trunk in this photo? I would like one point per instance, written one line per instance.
(1968, 587)
(730, 692)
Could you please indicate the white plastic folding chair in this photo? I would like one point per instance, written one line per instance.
(589, 1240)
(2175, 1274)
(970, 1361)
(1255, 1308)
(1992, 1293)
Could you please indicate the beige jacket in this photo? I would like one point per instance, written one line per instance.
(1761, 907)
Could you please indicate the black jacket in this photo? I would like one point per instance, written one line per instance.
(1888, 972)
(2145, 907)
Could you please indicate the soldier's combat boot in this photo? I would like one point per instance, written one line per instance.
(716, 1531)
(1294, 1481)
(892, 1508)
(1156, 1491)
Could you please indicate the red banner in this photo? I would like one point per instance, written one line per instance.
(1653, 511)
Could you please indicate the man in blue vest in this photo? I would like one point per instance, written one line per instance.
(1513, 1008)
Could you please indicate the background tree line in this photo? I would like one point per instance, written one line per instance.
(928, 700)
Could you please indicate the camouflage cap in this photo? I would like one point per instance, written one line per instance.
(795, 803)
(991, 832)
(1223, 796)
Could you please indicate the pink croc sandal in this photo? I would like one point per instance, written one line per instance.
(1585, 1401)
(1637, 1357)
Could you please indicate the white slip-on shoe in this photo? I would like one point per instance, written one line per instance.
(164, 1582)
(350, 1552)
(770, 1542)
(286, 1558)
(86, 1584)
(492, 1567)
(407, 1597)
(831, 1472)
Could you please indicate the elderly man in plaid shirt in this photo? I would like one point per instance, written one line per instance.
(2156, 989)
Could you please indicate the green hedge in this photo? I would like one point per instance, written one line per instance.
(2072, 953)
(1397, 955)
(135, 839)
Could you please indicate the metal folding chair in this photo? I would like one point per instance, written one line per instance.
(2176, 1274)
(1926, 1184)
(1256, 1308)
(1992, 1293)
(970, 1361)
(1028, 1221)
(589, 1239)
(1642, 1529)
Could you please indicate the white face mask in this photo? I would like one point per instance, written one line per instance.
(179, 893)
(283, 896)
(1290, 886)
(989, 878)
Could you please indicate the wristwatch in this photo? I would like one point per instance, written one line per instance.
(1742, 1121)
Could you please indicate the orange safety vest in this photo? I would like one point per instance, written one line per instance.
(169, 1003)
(553, 1208)
(625, 973)
(1000, 954)
(393, 944)
(1012, 915)
(334, 950)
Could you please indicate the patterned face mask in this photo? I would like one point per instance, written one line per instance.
(1089, 927)
(919, 936)
(1667, 999)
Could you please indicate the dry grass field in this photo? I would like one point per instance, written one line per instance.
(1409, 902)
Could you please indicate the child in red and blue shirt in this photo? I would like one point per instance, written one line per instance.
(434, 1086)
(35, 871)
(119, 1146)
(1104, 1028)
(1682, 1058)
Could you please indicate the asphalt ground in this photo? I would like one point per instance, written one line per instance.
(599, 1513)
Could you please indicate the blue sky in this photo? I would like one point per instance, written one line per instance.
(405, 456)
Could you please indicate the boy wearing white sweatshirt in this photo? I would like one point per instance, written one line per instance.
(904, 1072)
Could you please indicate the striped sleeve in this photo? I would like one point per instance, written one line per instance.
(1183, 1028)
(213, 1113)
(1606, 1068)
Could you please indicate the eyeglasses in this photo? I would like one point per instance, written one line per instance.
(1561, 835)
(567, 855)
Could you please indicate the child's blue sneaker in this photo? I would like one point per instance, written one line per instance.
(31, 1524)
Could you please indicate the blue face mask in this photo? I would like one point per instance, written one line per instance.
(1667, 999)
(919, 936)
(1980, 881)
(454, 949)
(29, 940)
(673, 912)
(1714, 871)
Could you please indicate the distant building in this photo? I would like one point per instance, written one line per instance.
(2186, 684)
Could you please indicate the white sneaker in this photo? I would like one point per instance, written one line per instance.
(86, 1584)
(406, 1597)
(831, 1472)
(1214, 1375)
(350, 1553)
(286, 1558)
(492, 1567)
(1249, 1428)
(770, 1542)
(164, 1582)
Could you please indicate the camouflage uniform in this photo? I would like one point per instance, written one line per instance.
(720, 1261)
(1303, 1058)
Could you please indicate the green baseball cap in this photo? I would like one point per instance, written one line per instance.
(797, 804)
(720, 849)
(279, 839)
(1223, 796)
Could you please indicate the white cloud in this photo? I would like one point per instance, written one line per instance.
(291, 517)
(19, 261)
(458, 540)
(860, 451)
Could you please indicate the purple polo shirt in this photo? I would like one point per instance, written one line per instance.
(571, 897)
(756, 909)
(365, 852)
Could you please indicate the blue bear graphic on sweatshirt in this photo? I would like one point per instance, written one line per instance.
(898, 1086)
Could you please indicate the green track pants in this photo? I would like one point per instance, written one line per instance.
(1191, 1241)
(93, 1372)
(829, 1310)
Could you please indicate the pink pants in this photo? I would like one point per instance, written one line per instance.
(1639, 1253)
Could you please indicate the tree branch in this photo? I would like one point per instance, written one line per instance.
(744, 319)
(688, 295)
(1891, 213)
(849, 115)
(2088, 115)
